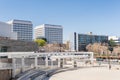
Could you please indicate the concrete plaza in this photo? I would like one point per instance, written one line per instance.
(94, 73)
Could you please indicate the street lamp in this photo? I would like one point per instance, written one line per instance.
(110, 49)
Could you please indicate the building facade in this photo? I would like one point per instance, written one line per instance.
(24, 29)
(80, 41)
(5, 31)
(52, 33)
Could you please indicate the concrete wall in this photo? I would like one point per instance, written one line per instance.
(18, 46)
(5, 74)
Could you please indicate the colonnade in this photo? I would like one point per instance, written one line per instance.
(14, 66)
(60, 58)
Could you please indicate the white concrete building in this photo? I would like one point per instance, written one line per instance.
(5, 31)
(23, 28)
(53, 33)
(116, 39)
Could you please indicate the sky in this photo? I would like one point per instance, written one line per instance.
(101, 17)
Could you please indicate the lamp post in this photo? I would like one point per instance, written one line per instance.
(110, 49)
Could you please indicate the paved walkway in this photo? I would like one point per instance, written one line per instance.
(96, 73)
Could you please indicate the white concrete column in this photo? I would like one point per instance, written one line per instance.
(51, 63)
(36, 62)
(58, 62)
(73, 62)
(46, 61)
(92, 58)
(23, 64)
(63, 62)
(13, 67)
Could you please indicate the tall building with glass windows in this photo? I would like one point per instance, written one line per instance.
(53, 33)
(23, 28)
(80, 41)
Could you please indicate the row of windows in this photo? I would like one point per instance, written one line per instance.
(53, 35)
(22, 34)
(91, 39)
(14, 27)
(23, 29)
(19, 24)
(97, 38)
(47, 28)
(53, 31)
(24, 37)
(22, 26)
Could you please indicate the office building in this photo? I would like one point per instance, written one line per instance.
(23, 28)
(53, 33)
(5, 31)
(80, 41)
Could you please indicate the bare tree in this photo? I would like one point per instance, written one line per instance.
(97, 48)
(116, 51)
(55, 47)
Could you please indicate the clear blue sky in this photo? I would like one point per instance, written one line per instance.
(82, 16)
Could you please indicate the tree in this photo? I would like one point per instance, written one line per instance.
(55, 47)
(42, 38)
(40, 42)
(97, 48)
(116, 51)
(94, 47)
(111, 43)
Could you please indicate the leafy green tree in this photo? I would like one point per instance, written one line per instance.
(111, 43)
(42, 38)
(40, 42)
